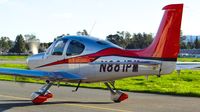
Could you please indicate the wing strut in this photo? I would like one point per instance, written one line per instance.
(77, 86)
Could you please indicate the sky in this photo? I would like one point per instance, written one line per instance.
(50, 18)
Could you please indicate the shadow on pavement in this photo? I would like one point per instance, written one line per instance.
(8, 104)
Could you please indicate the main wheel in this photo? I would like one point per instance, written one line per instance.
(119, 96)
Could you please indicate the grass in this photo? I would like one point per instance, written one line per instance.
(189, 59)
(19, 79)
(9, 65)
(13, 58)
(187, 83)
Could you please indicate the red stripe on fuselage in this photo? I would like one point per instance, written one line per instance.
(79, 59)
(105, 52)
(88, 58)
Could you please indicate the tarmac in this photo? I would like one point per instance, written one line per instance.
(15, 97)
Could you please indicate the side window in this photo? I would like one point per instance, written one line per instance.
(49, 49)
(58, 48)
(75, 48)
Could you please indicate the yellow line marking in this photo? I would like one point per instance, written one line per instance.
(99, 108)
(84, 106)
(14, 97)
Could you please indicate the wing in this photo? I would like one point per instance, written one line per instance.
(187, 65)
(58, 75)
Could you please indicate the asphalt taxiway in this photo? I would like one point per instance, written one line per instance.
(15, 98)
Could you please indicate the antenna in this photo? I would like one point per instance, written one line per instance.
(92, 28)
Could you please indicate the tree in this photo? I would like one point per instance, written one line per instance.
(196, 43)
(19, 46)
(44, 46)
(126, 36)
(139, 41)
(29, 37)
(84, 32)
(58, 37)
(128, 41)
(116, 39)
(190, 45)
(183, 45)
(5, 44)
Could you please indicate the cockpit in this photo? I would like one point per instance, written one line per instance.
(77, 45)
(69, 47)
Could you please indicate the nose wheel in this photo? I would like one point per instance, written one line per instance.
(116, 95)
(42, 94)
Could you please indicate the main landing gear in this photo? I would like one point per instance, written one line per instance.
(116, 95)
(42, 94)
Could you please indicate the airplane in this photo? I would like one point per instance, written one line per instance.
(85, 59)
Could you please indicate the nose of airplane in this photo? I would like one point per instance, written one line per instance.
(35, 60)
(31, 61)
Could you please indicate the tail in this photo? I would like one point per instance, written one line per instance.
(166, 42)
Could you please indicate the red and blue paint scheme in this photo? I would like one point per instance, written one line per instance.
(88, 59)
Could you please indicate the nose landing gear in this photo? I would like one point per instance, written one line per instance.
(42, 94)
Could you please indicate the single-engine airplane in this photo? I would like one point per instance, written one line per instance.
(84, 59)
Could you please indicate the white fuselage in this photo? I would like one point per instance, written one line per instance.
(105, 68)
